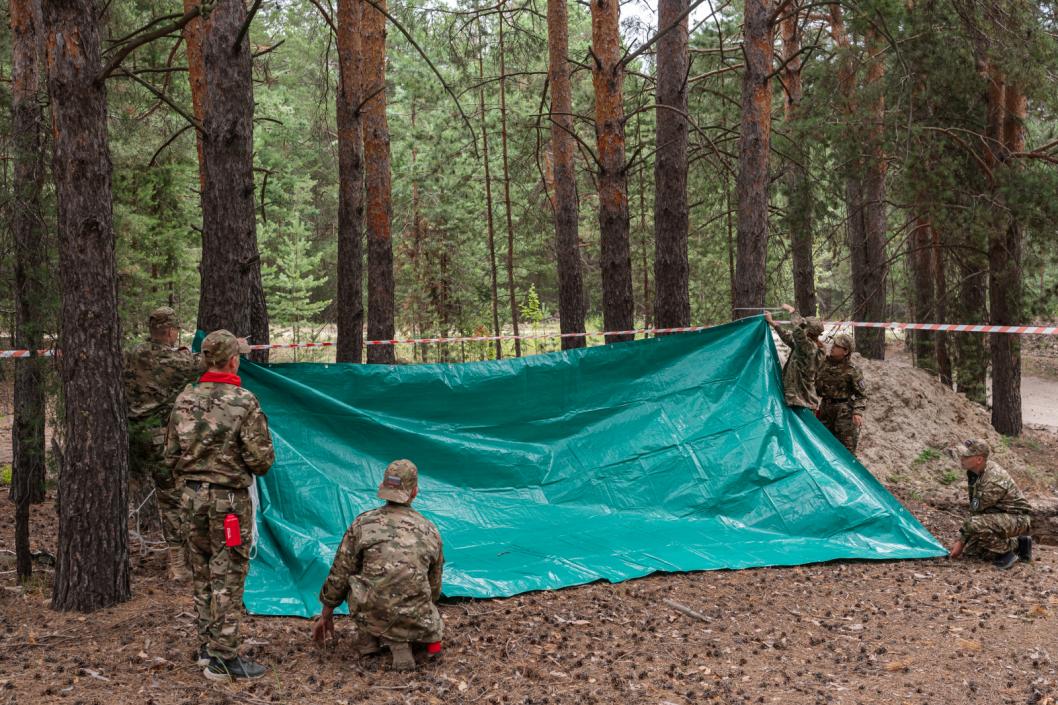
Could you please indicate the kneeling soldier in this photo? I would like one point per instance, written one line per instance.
(388, 569)
(999, 520)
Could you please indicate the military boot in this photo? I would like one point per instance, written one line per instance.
(402, 657)
(367, 644)
(1025, 548)
(1006, 561)
(178, 570)
(233, 669)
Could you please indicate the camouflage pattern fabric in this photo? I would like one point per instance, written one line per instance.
(218, 571)
(802, 366)
(843, 394)
(154, 375)
(388, 569)
(218, 434)
(999, 513)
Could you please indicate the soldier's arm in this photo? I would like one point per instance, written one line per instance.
(858, 392)
(257, 450)
(171, 455)
(346, 560)
(436, 571)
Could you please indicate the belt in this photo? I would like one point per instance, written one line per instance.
(199, 484)
(835, 399)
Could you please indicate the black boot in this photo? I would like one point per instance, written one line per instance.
(1025, 548)
(233, 669)
(203, 656)
(1006, 561)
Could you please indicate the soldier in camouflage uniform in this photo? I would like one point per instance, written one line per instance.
(155, 372)
(806, 356)
(218, 440)
(388, 569)
(842, 393)
(1000, 516)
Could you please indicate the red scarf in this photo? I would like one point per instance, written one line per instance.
(221, 378)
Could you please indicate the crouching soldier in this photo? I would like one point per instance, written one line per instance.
(999, 520)
(388, 569)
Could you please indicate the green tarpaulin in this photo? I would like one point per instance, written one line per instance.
(607, 463)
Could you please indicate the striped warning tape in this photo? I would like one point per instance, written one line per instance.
(894, 325)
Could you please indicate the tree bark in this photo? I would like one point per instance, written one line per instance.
(753, 148)
(511, 291)
(92, 568)
(196, 74)
(971, 368)
(798, 187)
(944, 364)
(618, 305)
(378, 186)
(672, 302)
(1005, 287)
(570, 281)
(232, 295)
(28, 230)
(350, 302)
(491, 226)
(920, 254)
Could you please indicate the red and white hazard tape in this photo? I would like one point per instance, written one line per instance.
(894, 325)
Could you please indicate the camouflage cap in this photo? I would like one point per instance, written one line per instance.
(162, 318)
(973, 447)
(813, 326)
(399, 482)
(220, 345)
(844, 340)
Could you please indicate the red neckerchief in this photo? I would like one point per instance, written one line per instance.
(221, 378)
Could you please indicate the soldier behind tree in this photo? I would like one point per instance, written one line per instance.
(218, 440)
(842, 393)
(1000, 516)
(806, 356)
(388, 569)
(155, 372)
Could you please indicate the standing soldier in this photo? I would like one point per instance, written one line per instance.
(1000, 516)
(843, 393)
(806, 356)
(218, 440)
(388, 569)
(155, 372)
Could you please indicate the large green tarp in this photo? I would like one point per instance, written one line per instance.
(606, 463)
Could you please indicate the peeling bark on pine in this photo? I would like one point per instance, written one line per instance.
(618, 305)
(920, 256)
(944, 365)
(29, 232)
(798, 187)
(196, 75)
(1005, 287)
(350, 303)
(672, 302)
(754, 143)
(232, 295)
(92, 567)
(571, 307)
(378, 186)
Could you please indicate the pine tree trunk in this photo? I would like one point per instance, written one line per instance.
(377, 180)
(350, 303)
(196, 73)
(570, 282)
(672, 302)
(511, 291)
(920, 254)
(1005, 287)
(232, 295)
(798, 187)
(28, 230)
(941, 289)
(490, 223)
(971, 369)
(618, 305)
(92, 568)
(753, 148)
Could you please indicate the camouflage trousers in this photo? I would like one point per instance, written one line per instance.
(218, 571)
(838, 420)
(989, 535)
(146, 448)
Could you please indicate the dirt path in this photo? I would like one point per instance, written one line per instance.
(1039, 401)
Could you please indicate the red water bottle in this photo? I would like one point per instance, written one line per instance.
(433, 648)
(232, 537)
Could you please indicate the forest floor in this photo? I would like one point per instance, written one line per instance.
(930, 631)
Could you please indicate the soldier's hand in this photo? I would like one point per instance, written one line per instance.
(788, 308)
(857, 420)
(768, 317)
(956, 550)
(323, 627)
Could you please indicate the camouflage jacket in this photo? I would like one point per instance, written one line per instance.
(388, 568)
(802, 366)
(995, 493)
(218, 434)
(842, 383)
(154, 375)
